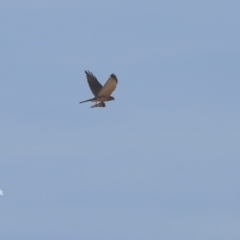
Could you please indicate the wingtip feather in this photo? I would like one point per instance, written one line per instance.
(114, 76)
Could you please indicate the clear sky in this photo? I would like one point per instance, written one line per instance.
(159, 162)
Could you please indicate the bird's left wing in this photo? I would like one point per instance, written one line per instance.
(109, 86)
(93, 83)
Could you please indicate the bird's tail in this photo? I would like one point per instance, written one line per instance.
(89, 100)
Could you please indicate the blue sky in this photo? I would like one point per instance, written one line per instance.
(159, 162)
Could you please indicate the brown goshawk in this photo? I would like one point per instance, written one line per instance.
(101, 93)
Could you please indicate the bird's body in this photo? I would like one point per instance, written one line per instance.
(99, 99)
(101, 93)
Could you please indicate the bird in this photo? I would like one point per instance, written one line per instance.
(101, 93)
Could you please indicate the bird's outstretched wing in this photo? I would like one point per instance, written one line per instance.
(109, 86)
(93, 83)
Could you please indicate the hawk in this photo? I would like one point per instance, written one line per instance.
(101, 93)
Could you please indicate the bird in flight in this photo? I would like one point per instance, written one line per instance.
(101, 93)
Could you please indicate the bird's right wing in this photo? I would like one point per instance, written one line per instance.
(93, 83)
(109, 86)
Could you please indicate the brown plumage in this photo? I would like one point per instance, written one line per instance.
(101, 93)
